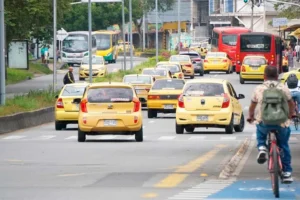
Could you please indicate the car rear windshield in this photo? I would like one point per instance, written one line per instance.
(256, 43)
(110, 94)
(172, 68)
(73, 91)
(255, 61)
(137, 79)
(170, 84)
(179, 58)
(155, 72)
(215, 55)
(204, 89)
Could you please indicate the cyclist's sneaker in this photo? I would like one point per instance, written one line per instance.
(287, 177)
(262, 155)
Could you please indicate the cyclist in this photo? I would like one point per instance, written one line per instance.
(293, 84)
(271, 76)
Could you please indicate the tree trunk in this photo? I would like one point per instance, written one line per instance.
(138, 27)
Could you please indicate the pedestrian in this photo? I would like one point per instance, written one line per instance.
(290, 56)
(297, 49)
(69, 77)
(43, 54)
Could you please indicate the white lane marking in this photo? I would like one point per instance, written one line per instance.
(246, 107)
(69, 175)
(144, 126)
(45, 137)
(228, 138)
(215, 75)
(106, 137)
(293, 139)
(166, 137)
(197, 138)
(150, 122)
(14, 137)
(71, 138)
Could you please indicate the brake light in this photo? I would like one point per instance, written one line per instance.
(137, 104)
(83, 106)
(59, 103)
(189, 65)
(226, 101)
(205, 60)
(180, 75)
(180, 101)
(225, 60)
(135, 119)
(153, 97)
(243, 68)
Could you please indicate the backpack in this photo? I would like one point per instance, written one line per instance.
(275, 108)
(292, 81)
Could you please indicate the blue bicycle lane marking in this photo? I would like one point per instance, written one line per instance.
(256, 189)
(294, 131)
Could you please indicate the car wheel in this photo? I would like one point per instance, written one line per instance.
(81, 136)
(240, 127)
(229, 128)
(59, 126)
(179, 129)
(152, 113)
(237, 72)
(192, 77)
(189, 129)
(228, 71)
(139, 135)
(242, 81)
(201, 73)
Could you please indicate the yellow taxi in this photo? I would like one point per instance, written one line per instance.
(253, 69)
(195, 47)
(141, 84)
(110, 108)
(163, 96)
(157, 73)
(127, 46)
(217, 61)
(98, 67)
(209, 103)
(285, 64)
(203, 50)
(173, 67)
(283, 77)
(186, 64)
(66, 110)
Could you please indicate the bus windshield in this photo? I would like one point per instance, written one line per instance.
(103, 41)
(229, 39)
(255, 43)
(75, 43)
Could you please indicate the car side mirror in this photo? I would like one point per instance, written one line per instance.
(241, 96)
(77, 100)
(56, 96)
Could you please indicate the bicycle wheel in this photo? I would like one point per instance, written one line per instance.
(275, 171)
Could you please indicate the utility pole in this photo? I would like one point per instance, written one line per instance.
(156, 30)
(2, 55)
(54, 45)
(144, 32)
(179, 24)
(130, 27)
(123, 28)
(90, 42)
(252, 10)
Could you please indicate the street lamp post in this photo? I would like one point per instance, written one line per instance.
(123, 30)
(130, 28)
(54, 45)
(156, 30)
(90, 42)
(2, 54)
(179, 25)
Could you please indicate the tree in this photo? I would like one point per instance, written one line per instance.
(288, 11)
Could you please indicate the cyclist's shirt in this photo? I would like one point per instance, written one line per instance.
(257, 97)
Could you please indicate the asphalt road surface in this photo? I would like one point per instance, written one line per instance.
(45, 82)
(41, 163)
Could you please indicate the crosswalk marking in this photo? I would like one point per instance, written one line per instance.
(166, 138)
(14, 137)
(71, 138)
(45, 137)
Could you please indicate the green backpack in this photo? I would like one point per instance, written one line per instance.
(275, 108)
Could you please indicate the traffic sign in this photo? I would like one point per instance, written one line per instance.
(61, 34)
(277, 22)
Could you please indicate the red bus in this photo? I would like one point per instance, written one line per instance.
(263, 44)
(224, 40)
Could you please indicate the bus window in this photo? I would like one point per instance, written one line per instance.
(229, 39)
(103, 41)
(215, 39)
(94, 42)
(257, 43)
(75, 43)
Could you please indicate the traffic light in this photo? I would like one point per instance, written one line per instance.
(245, 1)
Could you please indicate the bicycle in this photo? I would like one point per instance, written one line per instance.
(296, 119)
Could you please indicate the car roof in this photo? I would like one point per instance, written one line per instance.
(78, 84)
(161, 79)
(207, 80)
(189, 52)
(168, 62)
(151, 68)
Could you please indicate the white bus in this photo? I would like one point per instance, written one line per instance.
(75, 47)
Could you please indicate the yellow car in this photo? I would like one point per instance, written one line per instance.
(141, 84)
(203, 50)
(283, 77)
(173, 67)
(157, 73)
(127, 46)
(163, 96)
(253, 68)
(66, 110)
(209, 103)
(186, 64)
(110, 108)
(217, 61)
(285, 64)
(98, 67)
(195, 47)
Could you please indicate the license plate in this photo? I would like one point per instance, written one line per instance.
(168, 107)
(202, 118)
(254, 68)
(110, 122)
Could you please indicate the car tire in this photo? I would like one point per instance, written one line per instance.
(237, 72)
(81, 136)
(192, 77)
(241, 126)
(59, 126)
(189, 129)
(179, 129)
(81, 79)
(229, 127)
(242, 81)
(139, 135)
(152, 113)
(201, 73)
(285, 68)
(228, 71)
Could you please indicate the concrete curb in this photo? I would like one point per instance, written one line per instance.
(235, 160)
(25, 120)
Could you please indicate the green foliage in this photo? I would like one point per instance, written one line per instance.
(288, 11)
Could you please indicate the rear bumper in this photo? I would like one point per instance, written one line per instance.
(219, 67)
(252, 76)
(66, 116)
(159, 106)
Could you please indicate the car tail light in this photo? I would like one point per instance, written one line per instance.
(243, 68)
(153, 97)
(180, 101)
(135, 119)
(180, 75)
(59, 103)
(188, 65)
(83, 106)
(225, 60)
(271, 62)
(137, 104)
(226, 101)
(205, 60)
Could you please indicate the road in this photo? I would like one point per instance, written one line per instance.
(41, 163)
(45, 82)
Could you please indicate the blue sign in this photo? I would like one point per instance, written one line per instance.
(277, 22)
